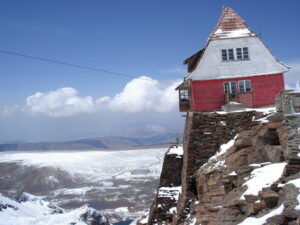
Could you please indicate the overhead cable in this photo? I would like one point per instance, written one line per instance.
(78, 66)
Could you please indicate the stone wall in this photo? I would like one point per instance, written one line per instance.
(288, 104)
(169, 187)
(204, 133)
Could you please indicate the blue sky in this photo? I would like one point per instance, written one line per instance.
(140, 38)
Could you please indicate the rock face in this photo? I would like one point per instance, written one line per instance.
(237, 168)
(169, 187)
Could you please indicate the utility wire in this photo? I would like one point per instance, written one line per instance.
(77, 66)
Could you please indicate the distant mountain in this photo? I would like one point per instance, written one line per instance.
(95, 143)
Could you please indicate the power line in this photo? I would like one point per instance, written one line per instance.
(77, 66)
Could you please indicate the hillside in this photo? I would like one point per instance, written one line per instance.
(104, 143)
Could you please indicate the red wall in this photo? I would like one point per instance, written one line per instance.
(208, 95)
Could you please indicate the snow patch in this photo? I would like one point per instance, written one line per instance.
(262, 220)
(39, 212)
(169, 192)
(176, 150)
(233, 33)
(173, 210)
(263, 177)
(73, 191)
(232, 174)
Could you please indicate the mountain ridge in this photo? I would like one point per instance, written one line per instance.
(98, 143)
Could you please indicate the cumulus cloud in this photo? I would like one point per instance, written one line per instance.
(61, 102)
(138, 95)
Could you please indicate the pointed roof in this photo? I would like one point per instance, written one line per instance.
(230, 25)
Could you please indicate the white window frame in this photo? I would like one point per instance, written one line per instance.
(230, 84)
(229, 56)
(241, 53)
(184, 95)
(235, 54)
(244, 86)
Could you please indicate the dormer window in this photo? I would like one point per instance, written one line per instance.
(240, 54)
(227, 54)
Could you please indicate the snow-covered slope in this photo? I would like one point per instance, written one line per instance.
(35, 210)
(105, 180)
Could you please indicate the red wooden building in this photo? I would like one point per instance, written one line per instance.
(233, 66)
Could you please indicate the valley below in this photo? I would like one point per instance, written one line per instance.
(120, 184)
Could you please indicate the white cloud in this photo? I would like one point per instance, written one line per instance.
(138, 95)
(10, 110)
(61, 102)
(156, 128)
(142, 95)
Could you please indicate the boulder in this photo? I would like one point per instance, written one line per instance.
(270, 197)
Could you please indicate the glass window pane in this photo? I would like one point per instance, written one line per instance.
(226, 88)
(241, 86)
(245, 53)
(239, 53)
(233, 87)
(224, 55)
(230, 54)
(248, 85)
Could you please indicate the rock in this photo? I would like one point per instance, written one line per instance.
(251, 198)
(93, 217)
(238, 159)
(5, 206)
(291, 214)
(289, 196)
(170, 177)
(269, 197)
(254, 207)
(243, 143)
(208, 180)
(274, 153)
(277, 220)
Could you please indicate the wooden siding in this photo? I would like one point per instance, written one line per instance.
(208, 95)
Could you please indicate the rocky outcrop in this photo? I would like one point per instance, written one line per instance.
(169, 188)
(238, 168)
(204, 134)
(222, 182)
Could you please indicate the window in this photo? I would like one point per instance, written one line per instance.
(227, 54)
(184, 95)
(244, 86)
(295, 108)
(230, 54)
(245, 53)
(241, 54)
(230, 87)
(224, 55)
